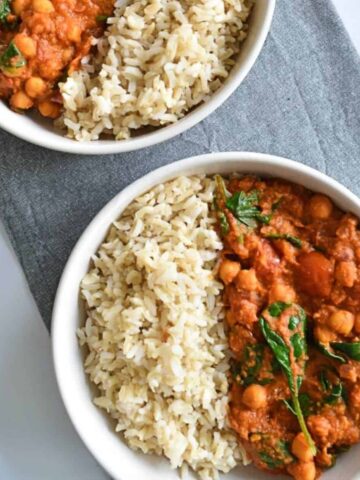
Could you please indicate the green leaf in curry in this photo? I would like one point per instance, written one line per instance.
(276, 308)
(246, 371)
(320, 249)
(271, 462)
(332, 387)
(329, 353)
(351, 350)
(275, 206)
(245, 208)
(102, 18)
(224, 224)
(5, 11)
(276, 457)
(12, 59)
(221, 192)
(285, 236)
(306, 403)
(221, 195)
(290, 352)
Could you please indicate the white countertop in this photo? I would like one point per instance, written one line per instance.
(37, 441)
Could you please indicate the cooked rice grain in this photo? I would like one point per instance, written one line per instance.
(158, 59)
(154, 329)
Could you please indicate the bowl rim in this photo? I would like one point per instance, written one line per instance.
(57, 142)
(64, 331)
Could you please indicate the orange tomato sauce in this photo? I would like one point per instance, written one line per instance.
(41, 41)
(300, 252)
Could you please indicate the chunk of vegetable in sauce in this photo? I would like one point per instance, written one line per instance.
(315, 274)
(12, 59)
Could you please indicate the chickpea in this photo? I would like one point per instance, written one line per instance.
(346, 273)
(21, 101)
(26, 45)
(247, 280)
(74, 33)
(301, 449)
(320, 207)
(324, 334)
(51, 68)
(228, 270)
(43, 6)
(255, 397)
(67, 54)
(303, 471)
(35, 87)
(19, 5)
(357, 323)
(280, 292)
(49, 109)
(341, 322)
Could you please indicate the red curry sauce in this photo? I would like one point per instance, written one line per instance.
(40, 42)
(294, 253)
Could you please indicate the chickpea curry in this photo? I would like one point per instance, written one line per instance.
(41, 41)
(290, 266)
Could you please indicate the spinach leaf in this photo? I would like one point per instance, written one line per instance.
(272, 463)
(276, 457)
(334, 390)
(12, 58)
(299, 345)
(284, 448)
(224, 224)
(285, 236)
(352, 350)
(5, 10)
(282, 352)
(221, 192)
(306, 403)
(276, 309)
(245, 372)
(324, 381)
(320, 249)
(279, 348)
(276, 204)
(339, 449)
(330, 354)
(335, 395)
(102, 18)
(221, 195)
(275, 366)
(244, 206)
(294, 322)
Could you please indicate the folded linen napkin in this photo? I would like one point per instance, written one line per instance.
(301, 100)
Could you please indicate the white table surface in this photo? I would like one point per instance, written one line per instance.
(37, 441)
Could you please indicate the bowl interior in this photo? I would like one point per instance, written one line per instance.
(91, 423)
(40, 131)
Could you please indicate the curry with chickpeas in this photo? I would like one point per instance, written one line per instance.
(290, 266)
(40, 42)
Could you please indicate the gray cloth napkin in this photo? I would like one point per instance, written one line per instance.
(301, 100)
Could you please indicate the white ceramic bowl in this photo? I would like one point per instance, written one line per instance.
(32, 128)
(90, 422)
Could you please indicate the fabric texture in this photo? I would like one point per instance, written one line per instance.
(301, 101)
